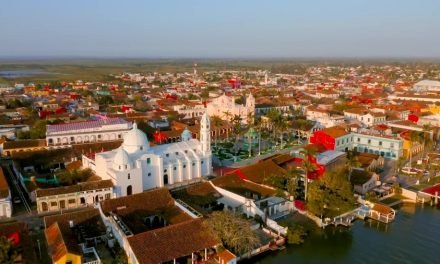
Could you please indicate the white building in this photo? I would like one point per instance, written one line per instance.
(427, 85)
(323, 118)
(5, 197)
(74, 196)
(135, 166)
(367, 118)
(88, 131)
(225, 105)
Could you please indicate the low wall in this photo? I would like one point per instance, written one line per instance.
(412, 195)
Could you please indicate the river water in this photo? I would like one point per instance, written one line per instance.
(414, 237)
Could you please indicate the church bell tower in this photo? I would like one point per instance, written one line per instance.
(205, 133)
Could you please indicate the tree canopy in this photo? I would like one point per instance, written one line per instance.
(7, 251)
(234, 232)
(331, 195)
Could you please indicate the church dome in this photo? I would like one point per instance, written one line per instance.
(121, 160)
(186, 135)
(135, 140)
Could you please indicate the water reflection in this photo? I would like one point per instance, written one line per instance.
(412, 238)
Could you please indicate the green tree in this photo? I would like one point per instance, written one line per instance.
(23, 134)
(296, 234)
(7, 252)
(105, 100)
(216, 123)
(120, 255)
(204, 94)
(352, 162)
(234, 232)
(38, 130)
(309, 154)
(331, 195)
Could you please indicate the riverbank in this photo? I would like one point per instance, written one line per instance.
(412, 238)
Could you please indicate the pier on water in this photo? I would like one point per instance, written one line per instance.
(378, 212)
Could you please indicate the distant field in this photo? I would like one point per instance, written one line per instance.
(99, 69)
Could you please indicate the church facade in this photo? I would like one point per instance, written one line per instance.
(225, 105)
(135, 166)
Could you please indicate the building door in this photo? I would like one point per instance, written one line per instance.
(62, 204)
(165, 179)
(44, 206)
(129, 190)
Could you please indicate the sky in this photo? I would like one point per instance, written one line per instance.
(220, 29)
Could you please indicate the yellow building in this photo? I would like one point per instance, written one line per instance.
(61, 251)
(435, 109)
(415, 147)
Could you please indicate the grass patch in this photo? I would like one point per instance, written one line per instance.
(392, 199)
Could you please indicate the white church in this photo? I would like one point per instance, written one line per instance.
(226, 104)
(135, 166)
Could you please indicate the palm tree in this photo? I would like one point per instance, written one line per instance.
(250, 123)
(228, 116)
(426, 137)
(293, 174)
(308, 166)
(236, 124)
(216, 122)
(282, 127)
(274, 117)
(258, 125)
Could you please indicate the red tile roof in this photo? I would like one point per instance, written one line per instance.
(4, 187)
(174, 241)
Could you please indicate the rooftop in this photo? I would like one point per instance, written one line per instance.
(91, 124)
(80, 187)
(171, 242)
(232, 182)
(134, 209)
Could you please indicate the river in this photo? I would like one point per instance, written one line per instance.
(414, 237)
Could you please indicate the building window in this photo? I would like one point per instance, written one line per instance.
(99, 136)
(53, 204)
(359, 139)
(194, 164)
(177, 153)
(392, 145)
(82, 200)
(149, 174)
(107, 196)
(175, 168)
(119, 136)
(128, 175)
(142, 148)
(167, 155)
(184, 166)
(201, 162)
(380, 143)
(129, 190)
(186, 151)
(369, 141)
(71, 201)
(165, 170)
